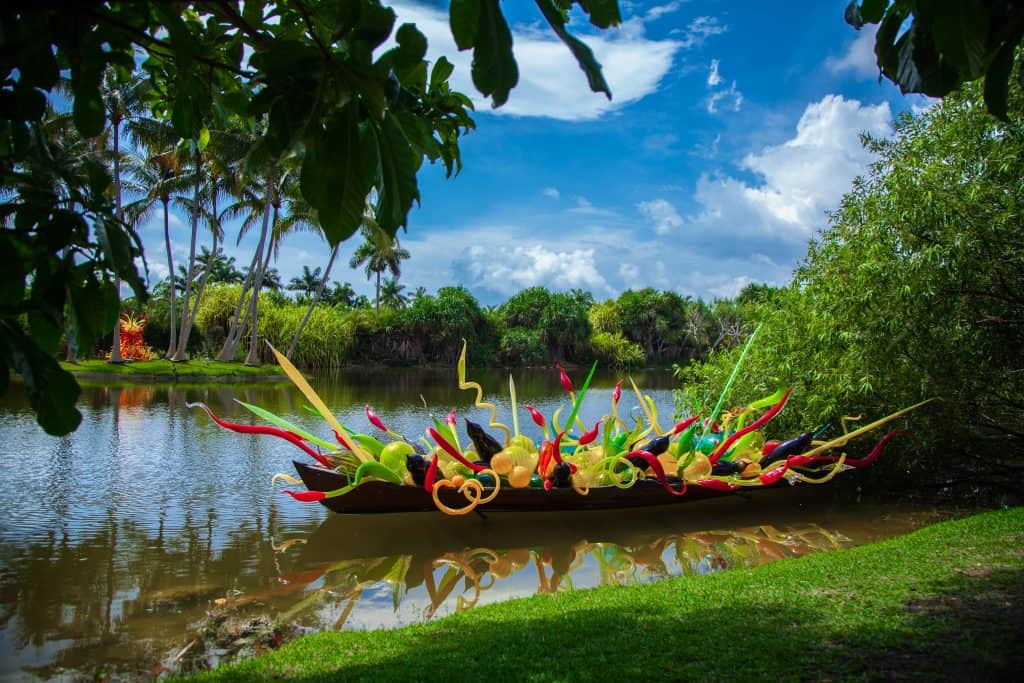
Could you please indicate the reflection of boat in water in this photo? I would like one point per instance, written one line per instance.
(424, 533)
(420, 584)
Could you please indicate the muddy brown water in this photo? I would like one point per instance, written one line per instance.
(151, 541)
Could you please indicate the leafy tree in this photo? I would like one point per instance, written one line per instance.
(391, 294)
(379, 253)
(913, 292)
(935, 47)
(307, 282)
(341, 295)
(560, 319)
(157, 180)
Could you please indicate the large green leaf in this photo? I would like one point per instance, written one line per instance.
(88, 109)
(960, 29)
(397, 188)
(440, 73)
(494, 67)
(464, 18)
(583, 54)
(997, 81)
(334, 178)
(603, 13)
(52, 392)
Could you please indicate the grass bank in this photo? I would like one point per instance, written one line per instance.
(945, 602)
(166, 371)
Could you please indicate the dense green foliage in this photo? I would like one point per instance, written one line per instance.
(915, 291)
(933, 47)
(942, 603)
(310, 84)
(535, 327)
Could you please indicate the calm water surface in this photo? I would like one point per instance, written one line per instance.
(151, 540)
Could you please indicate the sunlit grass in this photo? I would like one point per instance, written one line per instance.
(944, 602)
(166, 369)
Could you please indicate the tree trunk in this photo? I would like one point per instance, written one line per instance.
(312, 304)
(234, 334)
(115, 348)
(252, 357)
(202, 286)
(378, 291)
(181, 353)
(173, 336)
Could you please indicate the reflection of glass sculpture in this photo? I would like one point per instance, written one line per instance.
(427, 585)
(613, 464)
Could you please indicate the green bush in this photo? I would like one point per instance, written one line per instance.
(614, 350)
(915, 291)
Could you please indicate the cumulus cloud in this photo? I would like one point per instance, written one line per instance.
(714, 78)
(552, 192)
(662, 215)
(859, 57)
(800, 179)
(551, 84)
(730, 97)
(508, 269)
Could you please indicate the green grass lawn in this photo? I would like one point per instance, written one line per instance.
(165, 368)
(944, 602)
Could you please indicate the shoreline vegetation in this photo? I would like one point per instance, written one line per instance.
(159, 371)
(944, 602)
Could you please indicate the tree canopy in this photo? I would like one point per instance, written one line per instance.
(934, 46)
(306, 76)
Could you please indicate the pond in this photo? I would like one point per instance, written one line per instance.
(151, 540)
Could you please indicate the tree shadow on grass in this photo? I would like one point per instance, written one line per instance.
(969, 627)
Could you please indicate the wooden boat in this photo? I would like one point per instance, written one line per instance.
(375, 497)
(623, 468)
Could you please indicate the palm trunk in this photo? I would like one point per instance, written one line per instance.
(312, 304)
(115, 348)
(181, 353)
(70, 325)
(173, 336)
(234, 333)
(378, 291)
(202, 284)
(253, 357)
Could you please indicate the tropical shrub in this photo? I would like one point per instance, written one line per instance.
(915, 291)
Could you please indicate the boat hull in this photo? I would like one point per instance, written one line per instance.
(378, 497)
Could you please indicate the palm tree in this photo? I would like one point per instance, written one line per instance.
(158, 179)
(272, 279)
(341, 295)
(391, 294)
(417, 294)
(122, 101)
(379, 253)
(307, 283)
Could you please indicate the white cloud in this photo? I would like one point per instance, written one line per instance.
(659, 11)
(730, 288)
(699, 30)
(662, 215)
(859, 57)
(714, 78)
(509, 269)
(630, 274)
(551, 83)
(731, 97)
(552, 192)
(801, 178)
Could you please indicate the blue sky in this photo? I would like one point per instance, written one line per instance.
(733, 129)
